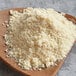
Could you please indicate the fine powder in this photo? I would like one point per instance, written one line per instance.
(37, 38)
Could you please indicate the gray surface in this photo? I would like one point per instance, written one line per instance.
(67, 6)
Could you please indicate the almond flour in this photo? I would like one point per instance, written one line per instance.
(37, 38)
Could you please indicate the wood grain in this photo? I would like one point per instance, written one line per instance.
(4, 16)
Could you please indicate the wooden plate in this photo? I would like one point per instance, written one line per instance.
(4, 16)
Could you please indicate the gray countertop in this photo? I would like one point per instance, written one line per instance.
(67, 6)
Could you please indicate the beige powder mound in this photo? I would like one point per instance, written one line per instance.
(37, 38)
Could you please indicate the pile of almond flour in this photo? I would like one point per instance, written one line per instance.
(37, 38)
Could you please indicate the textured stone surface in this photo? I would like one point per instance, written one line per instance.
(67, 6)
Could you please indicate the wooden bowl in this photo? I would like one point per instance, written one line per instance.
(4, 16)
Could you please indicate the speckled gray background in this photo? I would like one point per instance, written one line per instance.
(67, 6)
